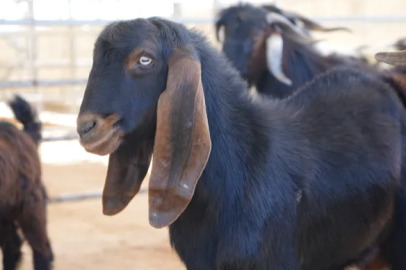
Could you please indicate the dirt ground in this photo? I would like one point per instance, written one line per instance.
(82, 238)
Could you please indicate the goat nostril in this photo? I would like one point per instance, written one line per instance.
(87, 127)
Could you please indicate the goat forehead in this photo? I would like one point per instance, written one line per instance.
(253, 16)
(107, 51)
(246, 14)
(127, 33)
(114, 52)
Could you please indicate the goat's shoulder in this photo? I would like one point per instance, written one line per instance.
(4, 126)
(18, 147)
(9, 135)
(14, 135)
(8, 152)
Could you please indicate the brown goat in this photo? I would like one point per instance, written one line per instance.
(22, 194)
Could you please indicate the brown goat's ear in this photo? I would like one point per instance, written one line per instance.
(182, 141)
(392, 58)
(126, 171)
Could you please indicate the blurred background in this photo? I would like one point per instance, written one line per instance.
(46, 54)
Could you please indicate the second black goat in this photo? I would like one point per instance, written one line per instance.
(271, 49)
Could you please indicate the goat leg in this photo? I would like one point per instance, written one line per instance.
(10, 243)
(33, 225)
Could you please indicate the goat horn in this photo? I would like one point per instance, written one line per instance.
(291, 30)
(274, 55)
(312, 25)
(392, 58)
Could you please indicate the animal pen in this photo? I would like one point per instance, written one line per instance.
(46, 54)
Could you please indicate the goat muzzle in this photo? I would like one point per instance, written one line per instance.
(99, 135)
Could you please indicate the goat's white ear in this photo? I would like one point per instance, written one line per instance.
(220, 33)
(274, 57)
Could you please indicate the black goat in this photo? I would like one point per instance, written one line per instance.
(22, 194)
(309, 182)
(267, 52)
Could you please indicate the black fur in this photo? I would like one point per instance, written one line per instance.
(309, 182)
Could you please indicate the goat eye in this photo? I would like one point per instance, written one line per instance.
(145, 61)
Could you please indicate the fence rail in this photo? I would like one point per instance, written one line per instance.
(360, 19)
(33, 25)
(60, 138)
(32, 83)
(70, 82)
(81, 196)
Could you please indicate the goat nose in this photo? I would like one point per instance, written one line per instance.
(86, 127)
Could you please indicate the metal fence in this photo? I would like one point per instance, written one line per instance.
(25, 36)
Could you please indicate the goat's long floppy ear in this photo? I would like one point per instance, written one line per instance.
(392, 58)
(182, 141)
(126, 171)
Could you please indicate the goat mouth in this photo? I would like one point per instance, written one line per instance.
(106, 144)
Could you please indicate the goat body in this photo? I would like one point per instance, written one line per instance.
(23, 196)
(309, 182)
(328, 143)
